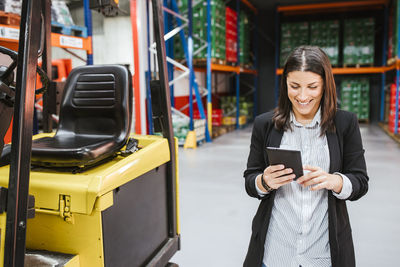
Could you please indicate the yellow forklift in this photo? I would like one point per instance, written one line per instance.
(92, 193)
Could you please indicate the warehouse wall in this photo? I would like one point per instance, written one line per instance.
(112, 40)
(113, 44)
(266, 60)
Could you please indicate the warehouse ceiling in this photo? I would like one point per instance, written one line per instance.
(260, 4)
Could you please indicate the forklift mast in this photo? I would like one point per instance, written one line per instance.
(35, 18)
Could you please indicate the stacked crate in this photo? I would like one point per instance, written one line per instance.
(355, 97)
(244, 39)
(217, 29)
(11, 6)
(359, 41)
(325, 34)
(393, 32)
(231, 35)
(179, 53)
(392, 110)
(200, 30)
(292, 36)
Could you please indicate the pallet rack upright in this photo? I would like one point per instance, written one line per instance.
(170, 7)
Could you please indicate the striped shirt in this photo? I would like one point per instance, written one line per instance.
(298, 229)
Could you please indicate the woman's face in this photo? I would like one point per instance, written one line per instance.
(305, 91)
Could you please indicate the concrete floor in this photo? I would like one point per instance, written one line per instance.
(216, 212)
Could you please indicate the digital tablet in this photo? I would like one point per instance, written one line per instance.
(289, 158)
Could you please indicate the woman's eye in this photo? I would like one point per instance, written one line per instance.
(295, 87)
(312, 87)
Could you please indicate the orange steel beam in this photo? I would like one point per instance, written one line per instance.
(66, 41)
(247, 3)
(361, 70)
(59, 40)
(10, 44)
(249, 71)
(325, 6)
(225, 68)
(135, 76)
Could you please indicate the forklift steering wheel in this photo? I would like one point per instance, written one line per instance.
(7, 97)
(7, 77)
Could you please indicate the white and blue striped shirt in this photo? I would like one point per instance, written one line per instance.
(298, 229)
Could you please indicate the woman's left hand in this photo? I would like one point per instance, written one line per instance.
(319, 179)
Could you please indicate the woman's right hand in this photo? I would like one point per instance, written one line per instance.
(276, 176)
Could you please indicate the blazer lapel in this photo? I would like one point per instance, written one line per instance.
(275, 138)
(334, 152)
(272, 140)
(335, 165)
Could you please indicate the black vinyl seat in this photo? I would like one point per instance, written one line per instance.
(95, 118)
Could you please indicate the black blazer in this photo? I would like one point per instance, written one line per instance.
(346, 156)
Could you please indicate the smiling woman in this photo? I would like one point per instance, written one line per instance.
(305, 222)
(305, 90)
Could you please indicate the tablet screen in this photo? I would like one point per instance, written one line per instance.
(289, 158)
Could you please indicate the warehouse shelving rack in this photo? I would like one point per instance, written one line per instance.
(395, 65)
(9, 37)
(233, 69)
(343, 7)
(170, 7)
(58, 40)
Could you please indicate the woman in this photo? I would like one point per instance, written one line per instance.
(305, 222)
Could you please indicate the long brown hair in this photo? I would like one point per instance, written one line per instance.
(313, 59)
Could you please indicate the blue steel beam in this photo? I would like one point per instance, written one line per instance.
(238, 62)
(88, 24)
(148, 75)
(169, 49)
(148, 102)
(384, 49)
(189, 59)
(255, 48)
(276, 55)
(396, 120)
(209, 99)
(192, 83)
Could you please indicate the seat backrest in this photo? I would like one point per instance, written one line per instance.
(97, 102)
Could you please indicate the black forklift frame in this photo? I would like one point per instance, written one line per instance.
(34, 15)
(18, 185)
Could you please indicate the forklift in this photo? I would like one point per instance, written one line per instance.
(92, 193)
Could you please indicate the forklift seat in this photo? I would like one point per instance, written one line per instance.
(95, 118)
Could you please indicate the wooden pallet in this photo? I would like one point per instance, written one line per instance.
(366, 121)
(391, 61)
(232, 64)
(9, 19)
(203, 61)
(246, 66)
(221, 130)
(72, 30)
